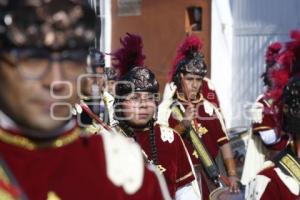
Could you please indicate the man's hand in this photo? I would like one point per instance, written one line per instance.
(189, 115)
(234, 184)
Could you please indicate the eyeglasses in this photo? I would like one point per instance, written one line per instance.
(34, 63)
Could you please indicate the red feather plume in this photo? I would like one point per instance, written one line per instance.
(191, 44)
(285, 62)
(272, 52)
(295, 36)
(128, 56)
(279, 75)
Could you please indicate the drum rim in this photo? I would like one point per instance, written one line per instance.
(224, 189)
(216, 190)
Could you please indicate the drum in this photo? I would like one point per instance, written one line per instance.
(224, 194)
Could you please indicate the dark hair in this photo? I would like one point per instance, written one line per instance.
(153, 148)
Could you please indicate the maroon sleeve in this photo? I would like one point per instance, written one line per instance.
(266, 124)
(211, 128)
(184, 172)
(283, 142)
(268, 121)
(219, 133)
(213, 125)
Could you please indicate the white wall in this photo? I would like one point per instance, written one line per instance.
(241, 32)
(221, 70)
(103, 11)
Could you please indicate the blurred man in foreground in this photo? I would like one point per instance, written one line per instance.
(43, 49)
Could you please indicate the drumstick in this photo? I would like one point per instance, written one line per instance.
(94, 116)
(225, 179)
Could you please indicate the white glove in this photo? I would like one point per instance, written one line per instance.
(164, 108)
(169, 91)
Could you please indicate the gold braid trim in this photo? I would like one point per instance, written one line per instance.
(222, 139)
(184, 177)
(292, 166)
(260, 128)
(23, 142)
(183, 99)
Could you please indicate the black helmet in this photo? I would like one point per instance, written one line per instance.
(95, 58)
(291, 106)
(133, 75)
(111, 73)
(138, 79)
(189, 59)
(52, 24)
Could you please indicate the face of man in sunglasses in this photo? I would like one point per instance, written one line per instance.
(37, 91)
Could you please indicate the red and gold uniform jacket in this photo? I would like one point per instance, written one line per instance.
(211, 129)
(75, 167)
(172, 158)
(210, 126)
(276, 188)
(280, 180)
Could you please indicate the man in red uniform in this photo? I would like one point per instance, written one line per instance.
(185, 107)
(43, 49)
(266, 127)
(265, 139)
(135, 107)
(279, 179)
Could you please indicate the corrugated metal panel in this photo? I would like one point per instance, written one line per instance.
(250, 14)
(257, 23)
(254, 24)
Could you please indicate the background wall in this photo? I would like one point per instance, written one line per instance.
(162, 26)
(241, 32)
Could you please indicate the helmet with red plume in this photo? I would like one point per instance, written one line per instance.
(189, 59)
(132, 74)
(270, 60)
(286, 65)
